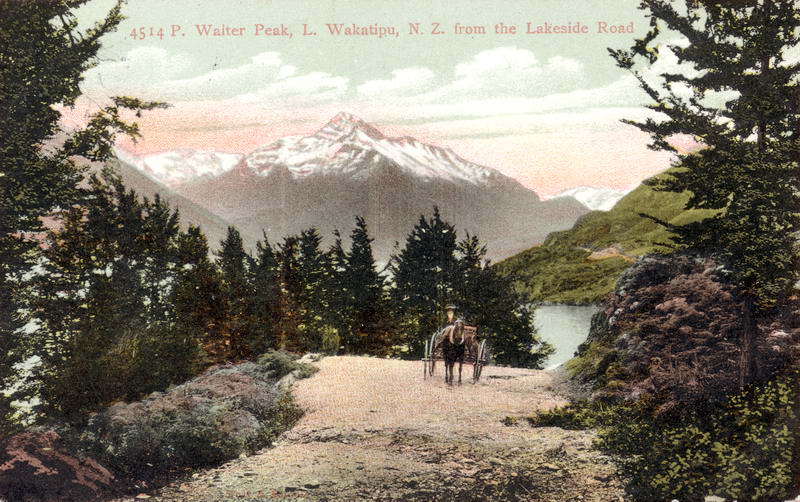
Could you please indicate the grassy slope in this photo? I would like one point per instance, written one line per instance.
(560, 270)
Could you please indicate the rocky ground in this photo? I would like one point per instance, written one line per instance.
(375, 430)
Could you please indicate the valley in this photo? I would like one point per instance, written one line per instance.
(348, 168)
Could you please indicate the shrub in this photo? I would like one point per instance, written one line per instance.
(286, 413)
(574, 416)
(227, 411)
(330, 340)
(672, 330)
(741, 450)
(281, 363)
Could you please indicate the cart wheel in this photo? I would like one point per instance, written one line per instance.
(480, 360)
(431, 362)
(425, 362)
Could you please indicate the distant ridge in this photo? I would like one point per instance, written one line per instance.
(349, 167)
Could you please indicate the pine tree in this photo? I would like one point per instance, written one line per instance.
(89, 302)
(42, 59)
(747, 168)
(266, 300)
(235, 266)
(314, 295)
(109, 329)
(489, 301)
(291, 291)
(472, 268)
(338, 337)
(424, 272)
(364, 297)
(197, 298)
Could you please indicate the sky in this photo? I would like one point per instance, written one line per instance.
(543, 108)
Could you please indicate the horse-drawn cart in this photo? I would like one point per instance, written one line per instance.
(477, 354)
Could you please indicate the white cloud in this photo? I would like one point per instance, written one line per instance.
(405, 81)
(262, 70)
(153, 73)
(511, 71)
(136, 72)
(495, 83)
(493, 73)
(310, 87)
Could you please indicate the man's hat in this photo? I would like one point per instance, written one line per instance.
(451, 307)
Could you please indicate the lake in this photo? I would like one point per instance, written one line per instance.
(565, 327)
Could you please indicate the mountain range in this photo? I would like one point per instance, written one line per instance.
(349, 168)
(596, 199)
(581, 265)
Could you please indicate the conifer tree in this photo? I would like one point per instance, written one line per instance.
(314, 295)
(235, 266)
(364, 296)
(489, 301)
(266, 300)
(43, 56)
(90, 302)
(424, 272)
(104, 302)
(337, 338)
(197, 299)
(291, 291)
(740, 102)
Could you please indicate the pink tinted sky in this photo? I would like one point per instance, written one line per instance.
(548, 161)
(545, 110)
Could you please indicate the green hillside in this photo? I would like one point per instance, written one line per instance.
(581, 265)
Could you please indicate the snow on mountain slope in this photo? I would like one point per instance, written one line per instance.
(348, 168)
(348, 145)
(178, 167)
(596, 199)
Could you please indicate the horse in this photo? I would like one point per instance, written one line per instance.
(455, 342)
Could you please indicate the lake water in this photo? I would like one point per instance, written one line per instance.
(565, 327)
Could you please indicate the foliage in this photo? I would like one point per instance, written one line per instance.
(331, 341)
(280, 363)
(578, 415)
(424, 272)
(359, 295)
(305, 277)
(198, 297)
(737, 96)
(662, 359)
(742, 450)
(561, 270)
(435, 269)
(237, 291)
(215, 417)
(266, 298)
(42, 58)
(285, 414)
(106, 301)
(670, 330)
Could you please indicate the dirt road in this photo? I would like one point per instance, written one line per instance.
(375, 430)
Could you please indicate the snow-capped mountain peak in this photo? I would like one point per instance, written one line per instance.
(344, 125)
(596, 199)
(178, 167)
(347, 145)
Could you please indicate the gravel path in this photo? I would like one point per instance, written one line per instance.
(375, 430)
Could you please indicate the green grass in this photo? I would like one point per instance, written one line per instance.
(560, 270)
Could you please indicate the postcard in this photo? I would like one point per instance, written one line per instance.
(399, 250)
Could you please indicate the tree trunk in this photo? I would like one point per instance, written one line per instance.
(748, 336)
